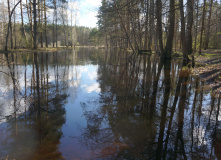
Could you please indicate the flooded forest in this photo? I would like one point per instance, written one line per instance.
(145, 83)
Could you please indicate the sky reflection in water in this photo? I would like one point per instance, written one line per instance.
(97, 105)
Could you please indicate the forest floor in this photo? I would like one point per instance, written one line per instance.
(208, 67)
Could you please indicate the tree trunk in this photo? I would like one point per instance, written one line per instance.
(208, 26)
(170, 36)
(14, 29)
(40, 22)
(151, 23)
(71, 27)
(189, 26)
(9, 24)
(159, 24)
(35, 24)
(202, 27)
(196, 30)
(29, 10)
(22, 25)
(146, 28)
(183, 37)
(45, 14)
(56, 21)
(53, 34)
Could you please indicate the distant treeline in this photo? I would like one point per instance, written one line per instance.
(80, 36)
(40, 23)
(161, 25)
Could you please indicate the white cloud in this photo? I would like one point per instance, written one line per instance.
(88, 20)
(93, 88)
(88, 12)
(94, 3)
(92, 75)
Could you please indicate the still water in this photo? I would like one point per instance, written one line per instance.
(93, 104)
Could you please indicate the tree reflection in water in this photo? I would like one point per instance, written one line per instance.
(150, 109)
(146, 108)
(36, 133)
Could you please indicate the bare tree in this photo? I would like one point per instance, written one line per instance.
(9, 23)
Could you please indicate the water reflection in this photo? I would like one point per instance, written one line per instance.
(91, 104)
(33, 128)
(151, 110)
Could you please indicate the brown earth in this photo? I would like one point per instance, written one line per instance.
(208, 67)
